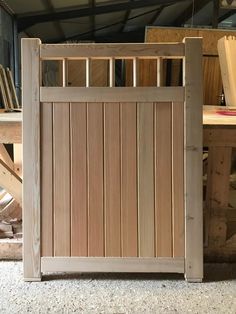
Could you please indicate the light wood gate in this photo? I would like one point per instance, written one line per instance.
(112, 175)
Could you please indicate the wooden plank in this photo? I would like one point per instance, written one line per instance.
(6, 87)
(106, 51)
(145, 147)
(219, 136)
(192, 78)
(95, 179)
(61, 179)
(218, 115)
(129, 214)
(17, 156)
(178, 179)
(12, 88)
(79, 222)
(47, 179)
(227, 49)
(163, 189)
(31, 158)
(111, 94)
(3, 94)
(6, 157)
(112, 179)
(112, 264)
(11, 249)
(10, 132)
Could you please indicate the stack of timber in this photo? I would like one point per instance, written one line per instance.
(212, 81)
(7, 90)
(227, 52)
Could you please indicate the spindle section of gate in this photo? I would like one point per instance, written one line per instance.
(112, 175)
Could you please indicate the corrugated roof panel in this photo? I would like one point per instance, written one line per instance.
(76, 26)
(45, 31)
(109, 30)
(203, 17)
(25, 6)
(59, 4)
(171, 13)
(139, 22)
(109, 18)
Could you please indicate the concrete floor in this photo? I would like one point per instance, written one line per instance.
(103, 293)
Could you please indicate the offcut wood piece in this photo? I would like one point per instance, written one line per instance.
(10, 249)
(227, 50)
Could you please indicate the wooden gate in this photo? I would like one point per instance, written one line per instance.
(112, 175)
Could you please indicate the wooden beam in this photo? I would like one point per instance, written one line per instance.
(10, 181)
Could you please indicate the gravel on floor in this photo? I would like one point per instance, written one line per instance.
(118, 293)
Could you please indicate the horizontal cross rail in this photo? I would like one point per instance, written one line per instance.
(106, 51)
(111, 94)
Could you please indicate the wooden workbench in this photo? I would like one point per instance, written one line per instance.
(220, 137)
(10, 127)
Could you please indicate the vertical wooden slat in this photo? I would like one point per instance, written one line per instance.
(163, 191)
(135, 72)
(178, 178)
(146, 180)
(192, 78)
(95, 179)
(159, 72)
(112, 179)
(88, 65)
(79, 231)
(129, 179)
(47, 179)
(61, 158)
(31, 158)
(112, 72)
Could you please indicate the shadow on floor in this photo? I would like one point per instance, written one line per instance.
(212, 273)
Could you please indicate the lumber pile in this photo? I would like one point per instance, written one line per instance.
(9, 98)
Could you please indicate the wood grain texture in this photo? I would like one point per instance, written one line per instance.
(31, 158)
(193, 159)
(61, 159)
(145, 144)
(10, 132)
(95, 179)
(112, 264)
(106, 51)
(47, 179)
(79, 221)
(129, 213)
(112, 179)
(178, 179)
(112, 94)
(163, 178)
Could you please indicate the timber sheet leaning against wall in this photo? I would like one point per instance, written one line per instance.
(108, 171)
